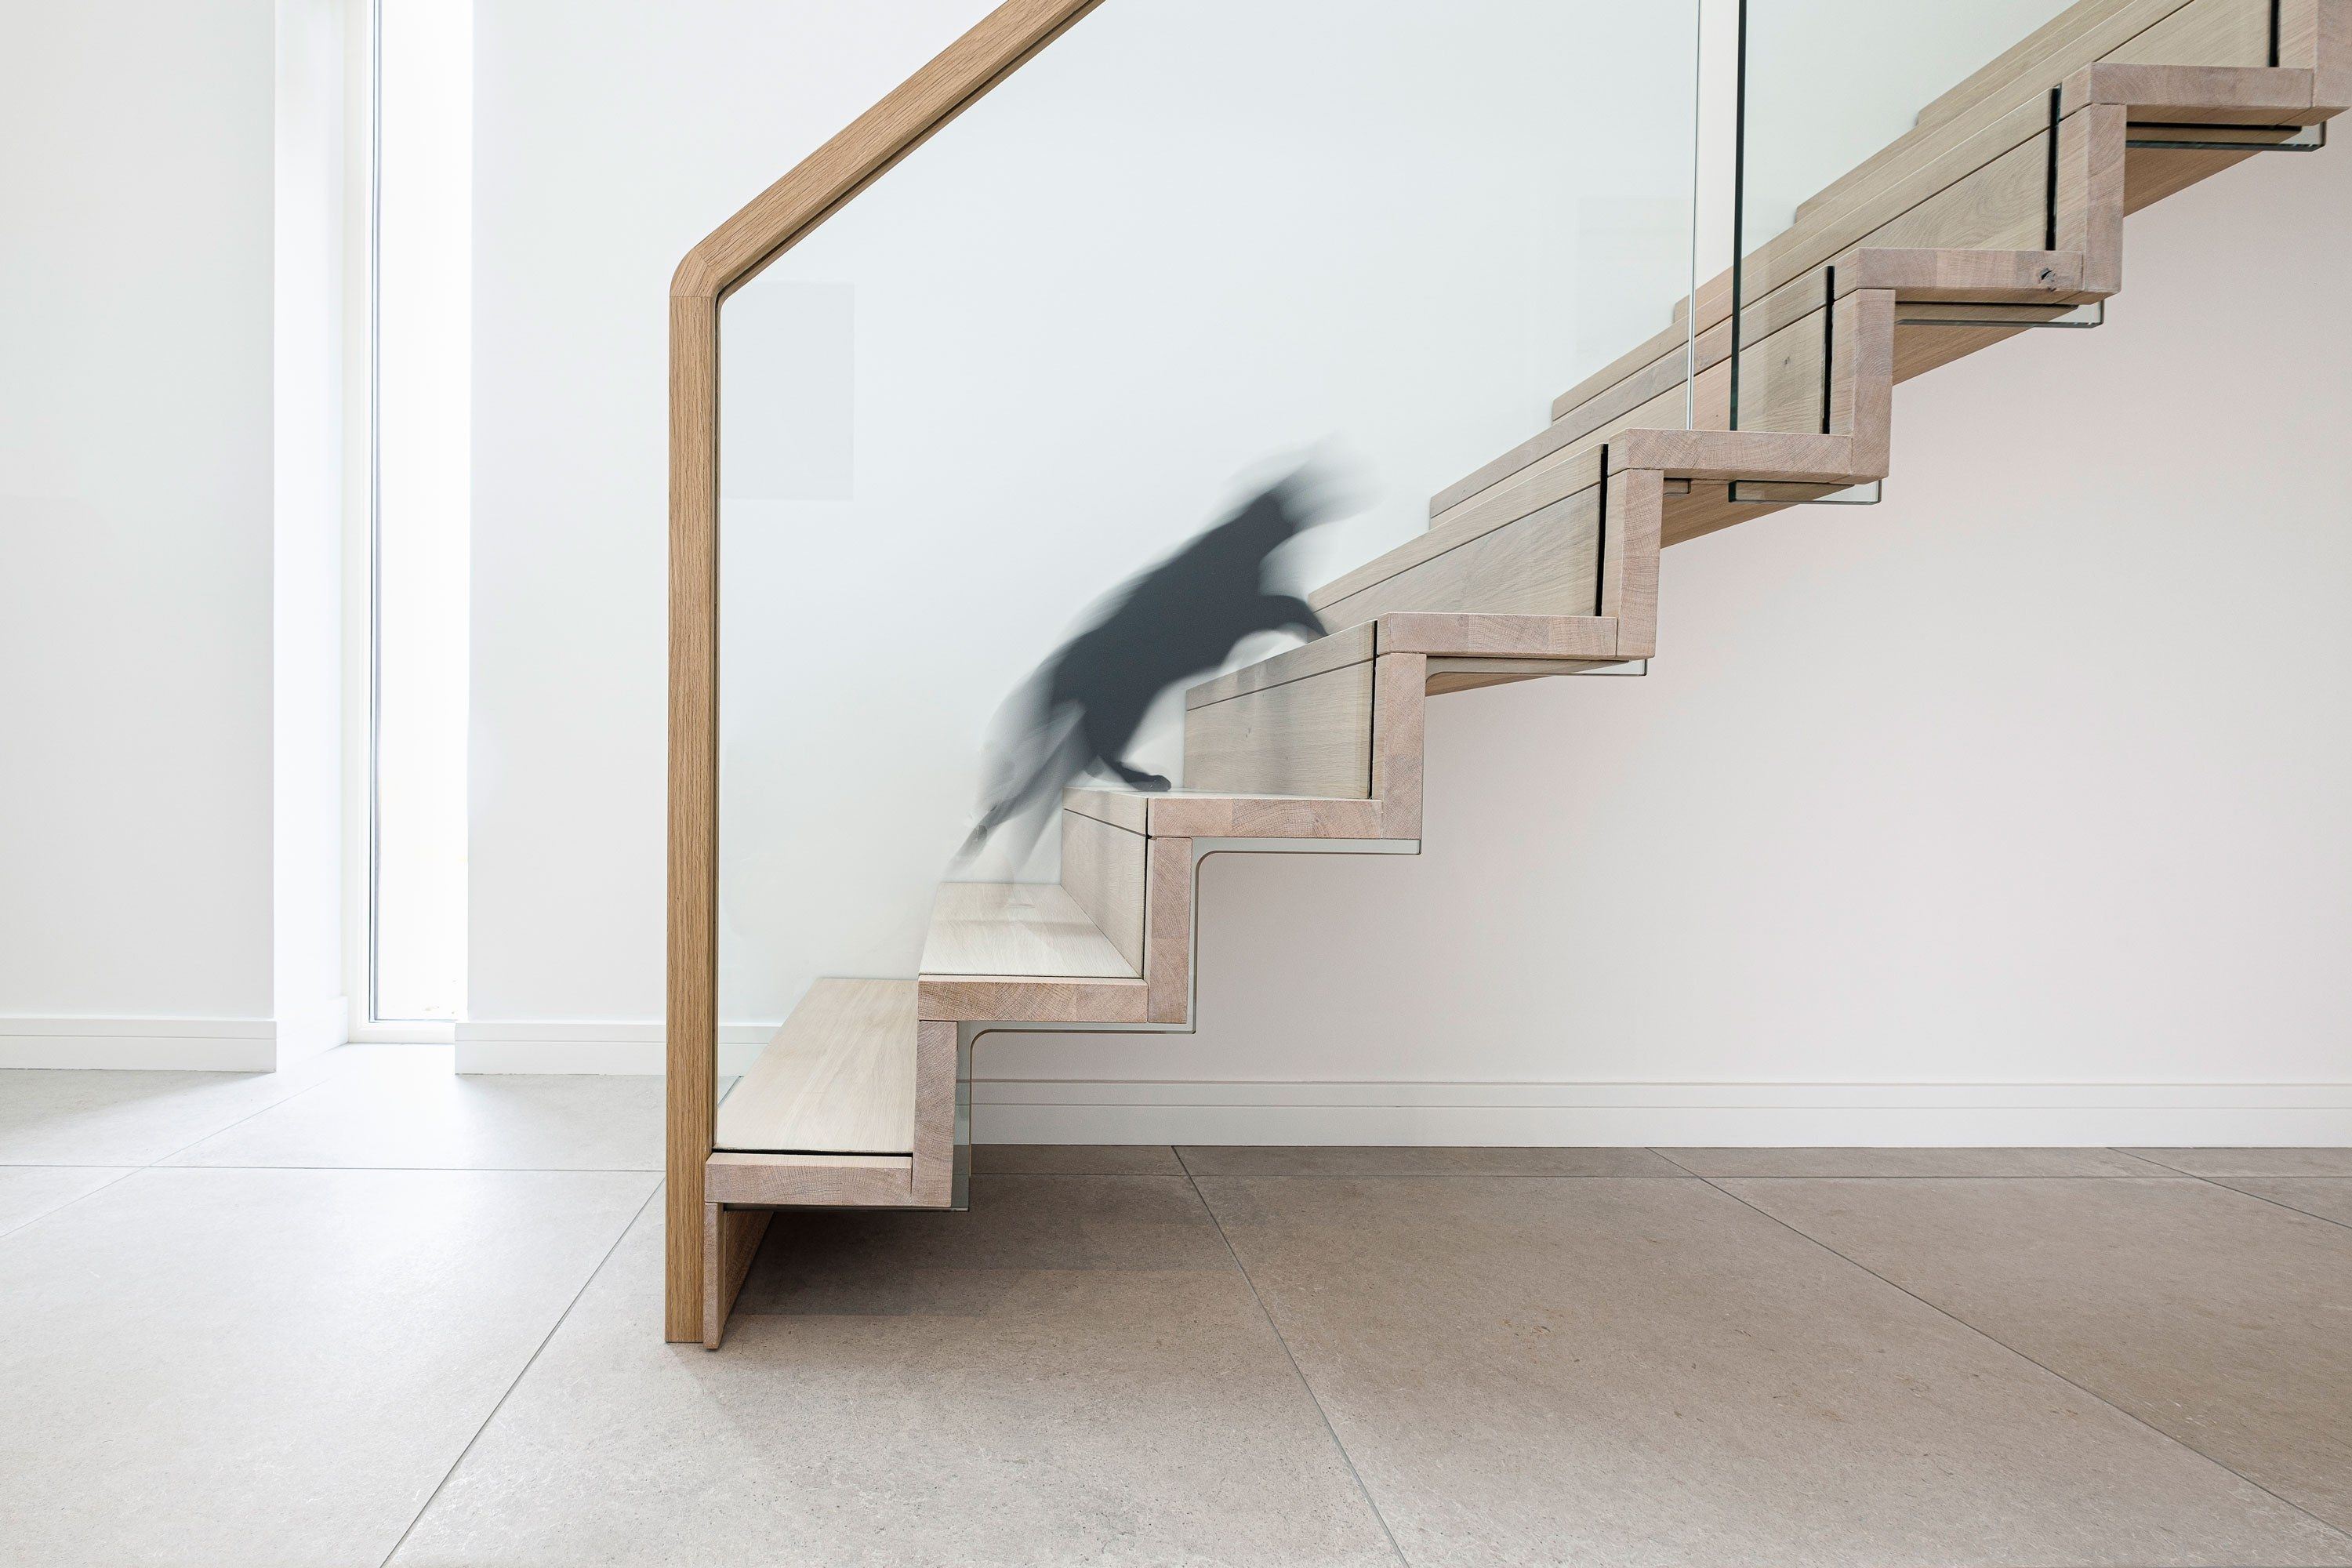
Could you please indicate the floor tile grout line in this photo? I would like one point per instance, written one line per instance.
(1679, 1174)
(1991, 1338)
(136, 1169)
(2282, 1204)
(2175, 1169)
(1431, 1176)
(1296, 1370)
(324, 1080)
(70, 1202)
(524, 1371)
(2258, 1197)
(72, 1164)
(2158, 1173)
(2143, 1159)
(2277, 1202)
(1677, 1164)
(1913, 1176)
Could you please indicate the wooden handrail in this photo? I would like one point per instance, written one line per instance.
(733, 253)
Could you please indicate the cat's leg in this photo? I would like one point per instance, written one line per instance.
(1109, 727)
(1288, 613)
(1150, 784)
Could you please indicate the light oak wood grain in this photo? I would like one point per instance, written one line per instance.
(1120, 808)
(1449, 633)
(1876, 214)
(1521, 491)
(1450, 675)
(1102, 870)
(1168, 972)
(2152, 176)
(2207, 95)
(1557, 484)
(1520, 636)
(1199, 813)
(2082, 32)
(838, 1078)
(1034, 999)
(1918, 350)
(1351, 644)
(1862, 381)
(1017, 928)
(1796, 457)
(2329, 53)
(2204, 32)
(1545, 563)
(730, 1241)
(1978, 276)
(2299, 32)
(2003, 205)
(1781, 384)
(1188, 816)
(2214, 96)
(1307, 736)
(1401, 694)
(1629, 571)
(691, 1029)
(1707, 507)
(931, 1180)
(793, 1181)
(2091, 194)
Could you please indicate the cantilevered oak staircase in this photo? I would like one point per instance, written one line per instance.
(2003, 207)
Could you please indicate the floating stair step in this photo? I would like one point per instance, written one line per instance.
(1033, 928)
(1219, 814)
(837, 1079)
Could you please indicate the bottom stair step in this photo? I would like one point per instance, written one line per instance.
(837, 1079)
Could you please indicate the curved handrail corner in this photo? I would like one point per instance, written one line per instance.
(957, 75)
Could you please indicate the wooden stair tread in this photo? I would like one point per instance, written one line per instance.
(1109, 804)
(1029, 929)
(837, 1079)
(1226, 814)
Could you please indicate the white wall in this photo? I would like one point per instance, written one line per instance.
(1986, 814)
(609, 138)
(136, 460)
(141, 554)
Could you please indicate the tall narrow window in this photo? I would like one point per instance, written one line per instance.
(422, 330)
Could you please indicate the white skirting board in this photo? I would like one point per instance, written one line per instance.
(1674, 1114)
(173, 1044)
(1013, 1110)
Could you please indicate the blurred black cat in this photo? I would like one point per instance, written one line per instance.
(1180, 620)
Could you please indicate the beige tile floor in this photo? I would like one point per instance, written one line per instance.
(367, 1312)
